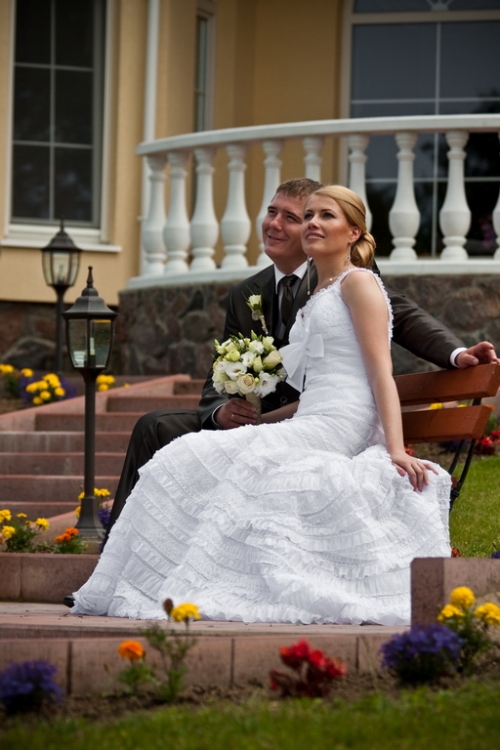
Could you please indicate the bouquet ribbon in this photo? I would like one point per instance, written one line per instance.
(295, 358)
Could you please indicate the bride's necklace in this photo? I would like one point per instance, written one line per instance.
(330, 280)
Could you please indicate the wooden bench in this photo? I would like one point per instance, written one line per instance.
(463, 424)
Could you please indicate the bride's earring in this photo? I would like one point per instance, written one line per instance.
(308, 275)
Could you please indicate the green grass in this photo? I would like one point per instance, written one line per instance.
(475, 518)
(420, 720)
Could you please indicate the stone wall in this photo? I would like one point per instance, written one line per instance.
(27, 334)
(162, 330)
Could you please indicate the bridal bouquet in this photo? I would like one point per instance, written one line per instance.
(249, 367)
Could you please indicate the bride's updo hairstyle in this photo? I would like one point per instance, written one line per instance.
(363, 250)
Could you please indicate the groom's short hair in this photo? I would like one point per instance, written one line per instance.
(300, 187)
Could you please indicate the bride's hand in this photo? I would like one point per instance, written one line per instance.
(416, 469)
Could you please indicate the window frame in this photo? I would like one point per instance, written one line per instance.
(206, 9)
(33, 233)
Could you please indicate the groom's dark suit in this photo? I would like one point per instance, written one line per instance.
(414, 329)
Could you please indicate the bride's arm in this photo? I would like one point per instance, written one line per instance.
(370, 316)
(277, 415)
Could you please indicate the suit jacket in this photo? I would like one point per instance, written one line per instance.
(414, 329)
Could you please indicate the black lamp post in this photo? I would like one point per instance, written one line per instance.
(89, 336)
(60, 262)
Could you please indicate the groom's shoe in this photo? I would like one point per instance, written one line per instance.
(69, 600)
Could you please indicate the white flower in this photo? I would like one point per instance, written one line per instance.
(235, 369)
(257, 365)
(231, 387)
(246, 383)
(268, 344)
(255, 301)
(248, 359)
(233, 355)
(219, 365)
(272, 360)
(256, 346)
(267, 384)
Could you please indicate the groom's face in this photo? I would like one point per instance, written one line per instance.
(281, 230)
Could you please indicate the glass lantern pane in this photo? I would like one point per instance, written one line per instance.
(77, 342)
(60, 268)
(102, 341)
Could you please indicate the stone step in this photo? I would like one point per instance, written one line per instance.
(74, 422)
(48, 490)
(188, 387)
(145, 404)
(58, 464)
(42, 510)
(65, 442)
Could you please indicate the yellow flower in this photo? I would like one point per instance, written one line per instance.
(184, 612)
(78, 510)
(5, 515)
(32, 388)
(37, 401)
(8, 531)
(101, 492)
(462, 597)
(46, 395)
(6, 369)
(27, 372)
(437, 405)
(22, 515)
(131, 650)
(42, 523)
(60, 392)
(488, 613)
(103, 387)
(448, 612)
(52, 379)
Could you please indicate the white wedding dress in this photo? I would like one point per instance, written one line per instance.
(303, 521)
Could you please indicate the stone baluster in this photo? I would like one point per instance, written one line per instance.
(204, 225)
(404, 216)
(176, 230)
(496, 224)
(357, 178)
(235, 224)
(152, 226)
(272, 179)
(455, 216)
(313, 159)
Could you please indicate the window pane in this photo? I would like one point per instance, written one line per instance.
(32, 104)
(404, 6)
(470, 59)
(73, 184)
(394, 61)
(73, 107)
(30, 194)
(74, 32)
(33, 31)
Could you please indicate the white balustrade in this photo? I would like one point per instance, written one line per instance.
(152, 226)
(455, 216)
(272, 178)
(176, 230)
(201, 233)
(204, 225)
(404, 216)
(235, 224)
(313, 158)
(357, 178)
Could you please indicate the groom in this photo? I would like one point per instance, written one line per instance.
(283, 287)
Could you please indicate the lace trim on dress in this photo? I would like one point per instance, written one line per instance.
(382, 289)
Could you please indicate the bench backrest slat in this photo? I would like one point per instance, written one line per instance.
(440, 425)
(448, 385)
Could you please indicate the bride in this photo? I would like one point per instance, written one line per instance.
(312, 517)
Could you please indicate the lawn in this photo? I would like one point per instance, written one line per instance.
(419, 720)
(475, 519)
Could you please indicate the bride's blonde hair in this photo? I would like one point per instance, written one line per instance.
(363, 250)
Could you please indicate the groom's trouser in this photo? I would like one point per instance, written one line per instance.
(152, 432)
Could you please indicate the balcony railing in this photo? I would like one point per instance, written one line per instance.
(168, 241)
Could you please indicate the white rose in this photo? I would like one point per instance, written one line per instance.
(267, 384)
(233, 355)
(219, 366)
(219, 376)
(246, 383)
(235, 369)
(257, 364)
(256, 347)
(272, 360)
(248, 359)
(231, 387)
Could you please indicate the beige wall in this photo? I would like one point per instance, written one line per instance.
(275, 61)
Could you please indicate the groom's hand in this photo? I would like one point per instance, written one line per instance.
(235, 413)
(479, 354)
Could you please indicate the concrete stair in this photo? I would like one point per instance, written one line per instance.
(41, 449)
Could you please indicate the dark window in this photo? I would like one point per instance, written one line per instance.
(58, 91)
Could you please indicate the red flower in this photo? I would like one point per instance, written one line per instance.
(294, 656)
(409, 450)
(455, 552)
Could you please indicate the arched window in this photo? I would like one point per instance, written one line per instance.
(427, 57)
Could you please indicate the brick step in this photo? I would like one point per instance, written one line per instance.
(48, 490)
(58, 464)
(145, 404)
(188, 387)
(40, 510)
(74, 422)
(65, 442)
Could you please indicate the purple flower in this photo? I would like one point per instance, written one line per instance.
(25, 686)
(423, 653)
(104, 516)
(495, 555)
